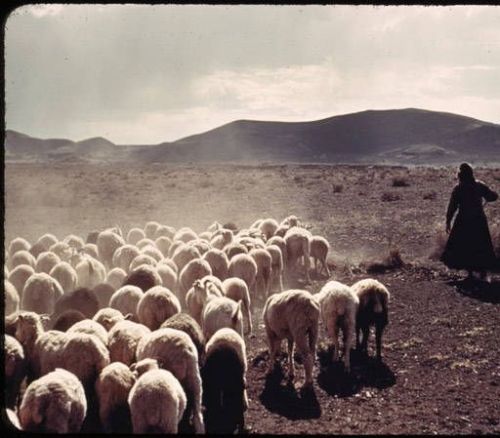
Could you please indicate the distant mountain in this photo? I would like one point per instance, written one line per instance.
(391, 136)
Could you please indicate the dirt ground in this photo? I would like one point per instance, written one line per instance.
(441, 363)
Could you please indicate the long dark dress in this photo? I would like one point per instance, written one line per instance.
(469, 245)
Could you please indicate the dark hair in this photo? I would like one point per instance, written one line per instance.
(465, 173)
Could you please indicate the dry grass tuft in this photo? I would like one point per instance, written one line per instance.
(400, 181)
(392, 261)
(439, 244)
(390, 197)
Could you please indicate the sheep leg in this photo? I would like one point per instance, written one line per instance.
(249, 319)
(335, 336)
(291, 368)
(307, 357)
(326, 267)
(273, 348)
(348, 344)
(364, 341)
(378, 338)
(195, 382)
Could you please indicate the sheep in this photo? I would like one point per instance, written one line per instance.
(150, 229)
(268, 227)
(62, 250)
(36, 249)
(221, 312)
(123, 338)
(90, 272)
(157, 402)
(221, 238)
(40, 293)
(15, 369)
(46, 261)
(168, 261)
(175, 244)
(235, 248)
(18, 277)
(185, 234)
(236, 289)
(205, 235)
(103, 292)
(108, 317)
(339, 306)
(142, 259)
(124, 255)
(90, 249)
(11, 298)
(74, 241)
(22, 257)
(373, 310)
(243, 266)
(194, 270)
(81, 299)
(64, 273)
(115, 277)
(264, 270)
(168, 276)
(164, 231)
(18, 244)
(46, 241)
(292, 314)
(144, 242)
(218, 261)
(163, 243)
(152, 251)
(183, 254)
(66, 319)
(281, 244)
(126, 299)
(107, 243)
(297, 245)
(134, 235)
(144, 277)
(55, 403)
(90, 327)
(112, 388)
(12, 417)
(199, 293)
(319, 248)
(92, 237)
(276, 280)
(157, 305)
(185, 323)
(201, 245)
(176, 352)
(224, 382)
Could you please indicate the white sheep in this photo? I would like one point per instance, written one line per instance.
(46, 261)
(373, 310)
(108, 317)
(183, 254)
(218, 261)
(194, 270)
(144, 242)
(164, 231)
(276, 281)
(235, 248)
(54, 403)
(221, 312)
(126, 300)
(115, 277)
(243, 266)
(221, 238)
(62, 250)
(157, 305)
(40, 293)
(11, 298)
(163, 243)
(175, 244)
(22, 257)
(90, 272)
(18, 244)
(90, 249)
(175, 351)
(152, 251)
(123, 256)
(107, 243)
(15, 369)
(268, 227)
(63, 321)
(199, 293)
(339, 306)
(297, 245)
(19, 276)
(134, 235)
(319, 248)
(150, 228)
(64, 273)
(90, 327)
(112, 389)
(236, 289)
(168, 276)
(144, 277)
(142, 259)
(224, 382)
(47, 240)
(74, 241)
(123, 338)
(104, 291)
(185, 234)
(168, 261)
(157, 402)
(264, 263)
(292, 314)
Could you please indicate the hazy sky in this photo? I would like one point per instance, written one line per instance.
(147, 74)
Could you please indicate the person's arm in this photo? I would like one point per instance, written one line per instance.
(452, 207)
(488, 194)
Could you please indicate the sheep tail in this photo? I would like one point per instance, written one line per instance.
(235, 315)
(378, 307)
(313, 337)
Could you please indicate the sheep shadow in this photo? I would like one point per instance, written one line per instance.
(283, 399)
(478, 289)
(366, 371)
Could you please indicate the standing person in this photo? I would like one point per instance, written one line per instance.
(469, 243)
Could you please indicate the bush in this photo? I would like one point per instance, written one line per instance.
(430, 195)
(392, 261)
(338, 188)
(439, 243)
(400, 181)
(390, 197)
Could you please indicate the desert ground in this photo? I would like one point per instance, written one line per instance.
(440, 371)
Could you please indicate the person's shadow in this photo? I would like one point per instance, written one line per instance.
(478, 289)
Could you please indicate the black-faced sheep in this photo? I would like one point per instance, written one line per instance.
(40, 293)
(55, 403)
(294, 315)
(175, 351)
(224, 382)
(373, 310)
(157, 305)
(339, 306)
(112, 388)
(157, 401)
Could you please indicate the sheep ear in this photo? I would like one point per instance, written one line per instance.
(128, 316)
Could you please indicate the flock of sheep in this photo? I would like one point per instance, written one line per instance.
(148, 332)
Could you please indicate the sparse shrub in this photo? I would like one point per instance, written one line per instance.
(439, 244)
(338, 188)
(390, 197)
(298, 179)
(400, 181)
(430, 195)
(392, 261)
